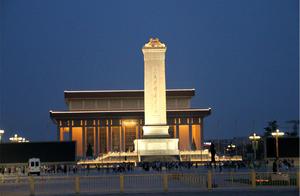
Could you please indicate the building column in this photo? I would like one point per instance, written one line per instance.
(123, 136)
(177, 128)
(58, 133)
(107, 137)
(137, 128)
(70, 130)
(120, 139)
(201, 133)
(97, 139)
(190, 134)
(83, 139)
(177, 132)
(138, 134)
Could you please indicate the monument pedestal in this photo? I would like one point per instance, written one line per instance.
(163, 149)
(156, 145)
(156, 131)
(148, 147)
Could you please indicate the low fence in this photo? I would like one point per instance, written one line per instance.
(43, 185)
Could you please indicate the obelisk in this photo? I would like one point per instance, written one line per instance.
(156, 142)
(155, 89)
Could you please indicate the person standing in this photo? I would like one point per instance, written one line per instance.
(213, 154)
(274, 166)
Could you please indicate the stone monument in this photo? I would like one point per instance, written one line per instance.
(156, 143)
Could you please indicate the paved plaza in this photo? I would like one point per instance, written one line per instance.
(222, 192)
(148, 183)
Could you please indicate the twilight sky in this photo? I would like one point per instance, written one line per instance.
(242, 57)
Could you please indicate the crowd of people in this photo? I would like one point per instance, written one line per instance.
(46, 169)
(171, 166)
(158, 166)
(283, 165)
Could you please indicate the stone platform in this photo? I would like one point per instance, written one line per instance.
(156, 147)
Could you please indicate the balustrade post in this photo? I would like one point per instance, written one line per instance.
(298, 180)
(165, 182)
(31, 186)
(77, 185)
(209, 180)
(18, 178)
(253, 178)
(121, 183)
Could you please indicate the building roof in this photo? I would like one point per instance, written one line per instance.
(125, 113)
(122, 93)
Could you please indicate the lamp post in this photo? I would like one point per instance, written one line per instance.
(230, 148)
(277, 134)
(254, 139)
(1, 135)
(17, 139)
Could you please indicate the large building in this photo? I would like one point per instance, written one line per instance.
(111, 120)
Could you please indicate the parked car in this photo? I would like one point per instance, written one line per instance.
(34, 166)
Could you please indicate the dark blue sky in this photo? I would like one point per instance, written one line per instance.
(241, 57)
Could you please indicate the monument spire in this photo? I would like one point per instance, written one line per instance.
(156, 141)
(155, 85)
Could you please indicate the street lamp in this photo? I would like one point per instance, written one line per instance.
(231, 147)
(1, 134)
(17, 139)
(254, 139)
(277, 134)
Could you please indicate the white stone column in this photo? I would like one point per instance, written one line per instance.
(155, 88)
(156, 139)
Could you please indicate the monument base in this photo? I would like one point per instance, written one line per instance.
(161, 158)
(157, 147)
(156, 130)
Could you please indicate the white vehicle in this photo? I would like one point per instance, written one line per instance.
(34, 166)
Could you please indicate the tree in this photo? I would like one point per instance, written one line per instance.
(89, 151)
(193, 147)
(295, 124)
(272, 126)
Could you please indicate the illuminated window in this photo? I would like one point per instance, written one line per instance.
(102, 140)
(90, 137)
(196, 133)
(184, 142)
(64, 133)
(130, 136)
(115, 138)
(77, 136)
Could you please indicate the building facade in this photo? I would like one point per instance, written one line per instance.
(110, 121)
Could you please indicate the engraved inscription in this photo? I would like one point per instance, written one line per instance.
(154, 85)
